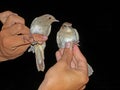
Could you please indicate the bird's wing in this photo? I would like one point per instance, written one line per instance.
(49, 30)
(77, 34)
(59, 38)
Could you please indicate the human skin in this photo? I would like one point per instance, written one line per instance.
(15, 36)
(66, 74)
(69, 73)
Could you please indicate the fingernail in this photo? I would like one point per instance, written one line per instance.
(34, 43)
(45, 37)
(40, 42)
(67, 45)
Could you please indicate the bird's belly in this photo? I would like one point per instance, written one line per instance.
(65, 40)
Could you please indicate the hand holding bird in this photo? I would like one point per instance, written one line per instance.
(69, 34)
(41, 25)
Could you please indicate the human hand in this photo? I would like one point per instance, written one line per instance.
(69, 73)
(15, 37)
(4, 15)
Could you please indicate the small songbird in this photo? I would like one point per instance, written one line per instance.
(69, 34)
(41, 25)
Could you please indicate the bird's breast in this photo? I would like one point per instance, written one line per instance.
(39, 30)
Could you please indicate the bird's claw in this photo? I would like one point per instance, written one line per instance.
(34, 43)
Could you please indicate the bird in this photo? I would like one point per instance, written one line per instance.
(41, 25)
(67, 33)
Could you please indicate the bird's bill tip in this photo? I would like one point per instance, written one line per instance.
(57, 20)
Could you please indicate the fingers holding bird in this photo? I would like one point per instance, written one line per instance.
(19, 35)
(16, 39)
(39, 38)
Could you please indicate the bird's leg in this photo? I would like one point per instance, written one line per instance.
(77, 43)
(34, 42)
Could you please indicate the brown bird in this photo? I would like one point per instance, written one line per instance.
(41, 25)
(69, 34)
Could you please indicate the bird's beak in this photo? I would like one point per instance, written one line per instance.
(57, 20)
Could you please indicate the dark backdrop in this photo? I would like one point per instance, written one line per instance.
(94, 24)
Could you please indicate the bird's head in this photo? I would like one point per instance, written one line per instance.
(49, 18)
(66, 25)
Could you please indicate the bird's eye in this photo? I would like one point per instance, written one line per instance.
(64, 25)
(49, 18)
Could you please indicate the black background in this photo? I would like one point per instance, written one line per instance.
(93, 20)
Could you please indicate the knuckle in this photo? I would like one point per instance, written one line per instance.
(22, 20)
(9, 12)
(16, 18)
(11, 16)
(6, 12)
(19, 26)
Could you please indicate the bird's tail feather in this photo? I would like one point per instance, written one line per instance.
(90, 70)
(39, 55)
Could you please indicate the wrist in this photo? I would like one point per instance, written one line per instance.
(48, 85)
(52, 85)
(44, 85)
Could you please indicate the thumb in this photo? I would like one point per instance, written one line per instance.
(67, 54)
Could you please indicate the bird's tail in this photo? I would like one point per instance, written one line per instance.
(39, 54)
(90, 70)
